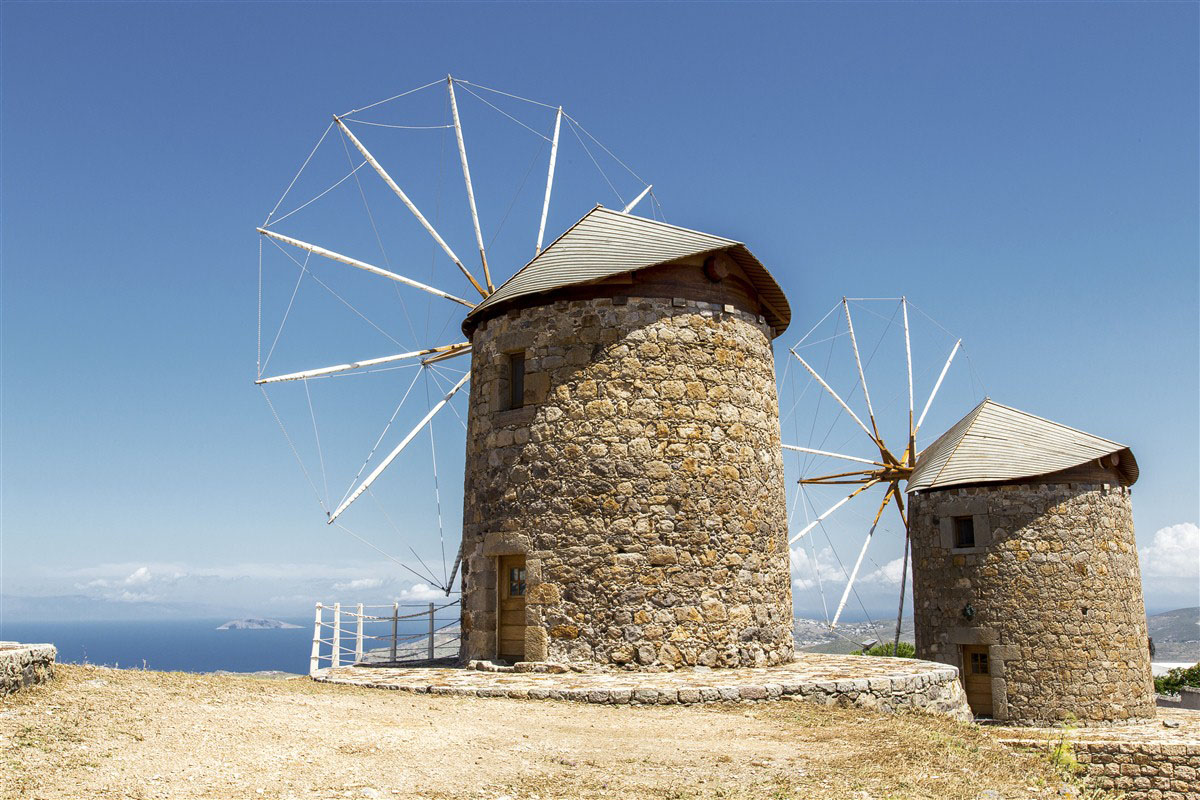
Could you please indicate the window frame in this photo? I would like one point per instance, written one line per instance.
(516, 362)
(959, 523)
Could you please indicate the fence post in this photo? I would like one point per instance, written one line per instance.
(358, 642)
(395, 623)
(337, 635)
(431, 607)
(314, 660)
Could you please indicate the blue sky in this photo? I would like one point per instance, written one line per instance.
(1026, 173)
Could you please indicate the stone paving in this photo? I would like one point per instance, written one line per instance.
(887, 684)
(1172, 726)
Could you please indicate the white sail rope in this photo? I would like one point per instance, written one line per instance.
(605, 149)
(437, 493)
(343, 300)
(505, 113)
(857, 381)
(386, 428)
(962, 348)
(603, 174)
(379, 240)
(393, 97)
(428, 572)
(400, 127)
(317, 437)
(267, 221)
(521, 188)
(462, 81)
(282, 322)
(296, 453)
(322, 194)
(437, 371)
(853, 589)
(385, 554)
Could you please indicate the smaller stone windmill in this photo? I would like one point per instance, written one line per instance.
(1025, 569)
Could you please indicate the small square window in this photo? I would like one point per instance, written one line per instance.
(516, 582)
(516, 379)
(979, 664)
(964, 531)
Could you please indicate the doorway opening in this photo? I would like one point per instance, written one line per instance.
(510, 608)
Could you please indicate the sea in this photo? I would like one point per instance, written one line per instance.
(185, 645)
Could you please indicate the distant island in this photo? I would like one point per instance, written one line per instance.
(252, 624)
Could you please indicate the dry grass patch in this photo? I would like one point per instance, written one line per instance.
(103, 733)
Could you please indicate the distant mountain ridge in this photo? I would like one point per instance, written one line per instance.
(1176, 634)
(255, 624)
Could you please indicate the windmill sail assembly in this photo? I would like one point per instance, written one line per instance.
(609, 400)
(354, 129)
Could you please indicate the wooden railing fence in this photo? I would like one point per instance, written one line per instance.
(372, 634)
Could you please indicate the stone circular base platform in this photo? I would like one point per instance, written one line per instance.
(885, 684)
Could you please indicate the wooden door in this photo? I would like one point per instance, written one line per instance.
(977, 679)
(510, 617)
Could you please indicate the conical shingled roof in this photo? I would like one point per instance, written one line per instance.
(998, 443)
(605, 243)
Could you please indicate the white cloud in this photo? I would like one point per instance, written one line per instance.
(421, 592)
(139, 576)
(1174, 553)
(127, 596)
(889, 573)
(359, 583)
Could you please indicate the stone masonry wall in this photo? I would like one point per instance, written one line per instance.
(1143, 771)
(1056, 591)
(24, 665)
(643, 481)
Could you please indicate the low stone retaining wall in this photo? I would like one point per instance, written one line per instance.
(1156, 760)
(1143, 771)
(24, 665)
(884, 684)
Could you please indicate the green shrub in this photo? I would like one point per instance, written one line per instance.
(1176, 678)
(905, 650)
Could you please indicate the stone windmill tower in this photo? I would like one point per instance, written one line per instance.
(624, 482)
(1025, 569)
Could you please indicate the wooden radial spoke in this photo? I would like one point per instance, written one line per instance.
(910, 455)
(895, 490)
(370, 479)
(363, 265)
(858, 564)
(937, 386)
(462, 152)
(838, 398)
(831, 509)
(549, 180)
(456, 351)
(800, 449)
(861, 375)
(409, 203)
(445, 350)
(633, 203)
(864, 474)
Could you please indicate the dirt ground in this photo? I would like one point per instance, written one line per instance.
(97, 732)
